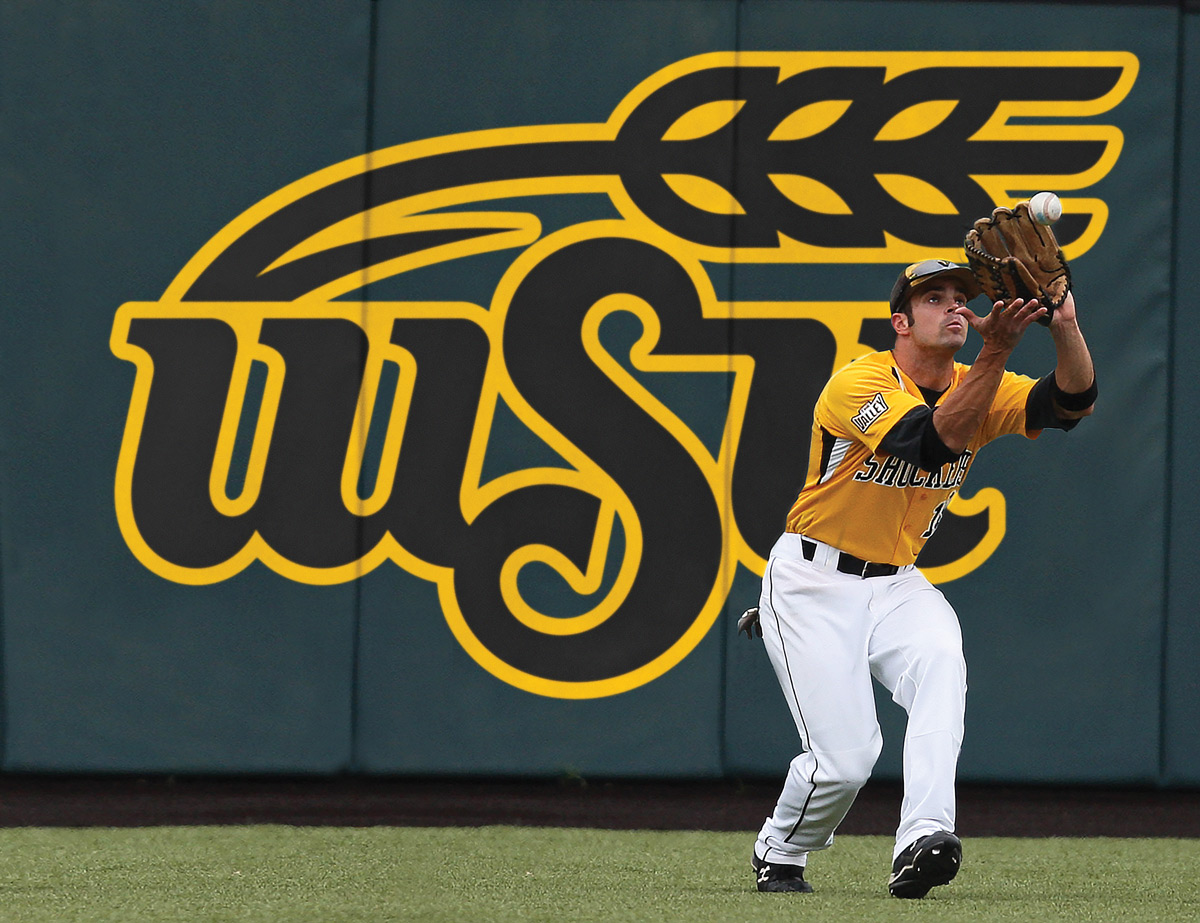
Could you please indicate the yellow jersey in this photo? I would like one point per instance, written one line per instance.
(877, 506)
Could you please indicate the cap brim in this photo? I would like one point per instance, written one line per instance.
(964, 276)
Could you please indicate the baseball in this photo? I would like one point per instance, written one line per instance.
(1045, 208)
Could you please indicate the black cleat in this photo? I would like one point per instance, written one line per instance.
(931, 861)
(772, 876)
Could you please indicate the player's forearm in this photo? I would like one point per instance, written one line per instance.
(960, 415)
(1074, 372)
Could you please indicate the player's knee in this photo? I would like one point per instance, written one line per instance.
(941, 662)
(953, 668)
(849, 769)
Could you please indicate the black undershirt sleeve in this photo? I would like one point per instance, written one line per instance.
(915, 439)
(1039, 408)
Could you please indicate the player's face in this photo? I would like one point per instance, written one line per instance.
(935, 323)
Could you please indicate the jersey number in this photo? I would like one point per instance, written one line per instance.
(938, 512)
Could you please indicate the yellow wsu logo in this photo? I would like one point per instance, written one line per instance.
(285, 411)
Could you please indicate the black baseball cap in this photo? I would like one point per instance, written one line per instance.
(912, 276)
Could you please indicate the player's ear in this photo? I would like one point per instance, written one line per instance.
(900, 323)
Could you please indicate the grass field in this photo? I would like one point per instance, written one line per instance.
(509, 874)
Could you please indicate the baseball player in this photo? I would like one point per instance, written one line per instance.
(893, 436)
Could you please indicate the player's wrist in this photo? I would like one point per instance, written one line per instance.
(994, 352)
(1063, 319)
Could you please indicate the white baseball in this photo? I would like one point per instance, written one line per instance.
(1045, 208)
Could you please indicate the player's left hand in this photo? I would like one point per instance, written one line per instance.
(1065, 312)
(749, 623)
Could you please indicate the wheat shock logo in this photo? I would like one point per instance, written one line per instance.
(547, 456)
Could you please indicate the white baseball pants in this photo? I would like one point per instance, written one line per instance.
(827, 634)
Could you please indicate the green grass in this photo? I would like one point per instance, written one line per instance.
(510, 874)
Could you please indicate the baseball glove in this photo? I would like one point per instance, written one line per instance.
(1012, 256)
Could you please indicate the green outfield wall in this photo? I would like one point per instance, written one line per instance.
(417, 388)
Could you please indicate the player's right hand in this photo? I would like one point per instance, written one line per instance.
(1003, 326)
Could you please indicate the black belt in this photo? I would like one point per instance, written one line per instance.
(849, 564)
